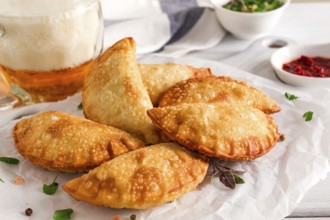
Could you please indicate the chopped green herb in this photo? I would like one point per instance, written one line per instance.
(253, 5)
(64, 214)
(9, 160)
(51, 188)
(308, 116)
(1, 180)
(80, 106)
(290, 96)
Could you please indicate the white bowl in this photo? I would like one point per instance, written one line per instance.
(289, 53)
(245, 25)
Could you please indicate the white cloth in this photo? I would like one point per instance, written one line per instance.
(174, 27)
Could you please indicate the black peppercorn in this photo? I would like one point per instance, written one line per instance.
(28, 211)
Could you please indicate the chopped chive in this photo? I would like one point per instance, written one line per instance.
(64, 214)
(9, 160)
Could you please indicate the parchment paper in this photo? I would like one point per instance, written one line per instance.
(274, 183)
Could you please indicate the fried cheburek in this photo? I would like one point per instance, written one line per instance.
(140, 179)
(157, 78)
(63, 142)
(114, 94)
(222, 130)
(213, 89)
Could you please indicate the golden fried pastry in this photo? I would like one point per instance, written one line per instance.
(114, 94)
(229, 132)
(158, 78)
(63, 142)
(218, 89)
(142, 178)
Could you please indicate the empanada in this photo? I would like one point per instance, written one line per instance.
(157, 78)
(234, 132)
(114, 94)
(142, 178)
(63, 142)
(218, 89)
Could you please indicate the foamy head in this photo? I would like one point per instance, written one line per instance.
(49, 34)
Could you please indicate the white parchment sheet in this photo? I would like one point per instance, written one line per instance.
(274, 183)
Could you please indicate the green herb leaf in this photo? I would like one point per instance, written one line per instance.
(308, 116)
(1, 180)
(64, 214)
(238, 180)
(51, 188)
(80, 106)
(290, 96)
(9, 160)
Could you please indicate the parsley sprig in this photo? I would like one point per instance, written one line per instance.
(228, 176)
(290, 96)
(51, 188)
(308, 116)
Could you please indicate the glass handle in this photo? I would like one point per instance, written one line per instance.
(2, 30)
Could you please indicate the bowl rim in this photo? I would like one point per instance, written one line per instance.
(250, 14)
(278, 66)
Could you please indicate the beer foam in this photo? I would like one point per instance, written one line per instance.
(48, 34)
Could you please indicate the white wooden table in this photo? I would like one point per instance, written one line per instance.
(304, 23)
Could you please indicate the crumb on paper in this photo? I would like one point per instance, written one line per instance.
(19, 180)
(116, 217)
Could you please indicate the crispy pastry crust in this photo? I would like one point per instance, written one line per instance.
(62, 142)
(157, 78)
(225, 131)
(213, 89)
(140, 179)
(114, 94)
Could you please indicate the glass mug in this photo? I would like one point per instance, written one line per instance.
(48, 46)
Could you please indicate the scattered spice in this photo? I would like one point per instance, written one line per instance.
(9, 160)
(80, 106)
(19, 180)
(116, 217)
(308, 116)
(28, 211)
(133, 217)
(282, 137)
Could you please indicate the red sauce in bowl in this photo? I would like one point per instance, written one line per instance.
(309, 66)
